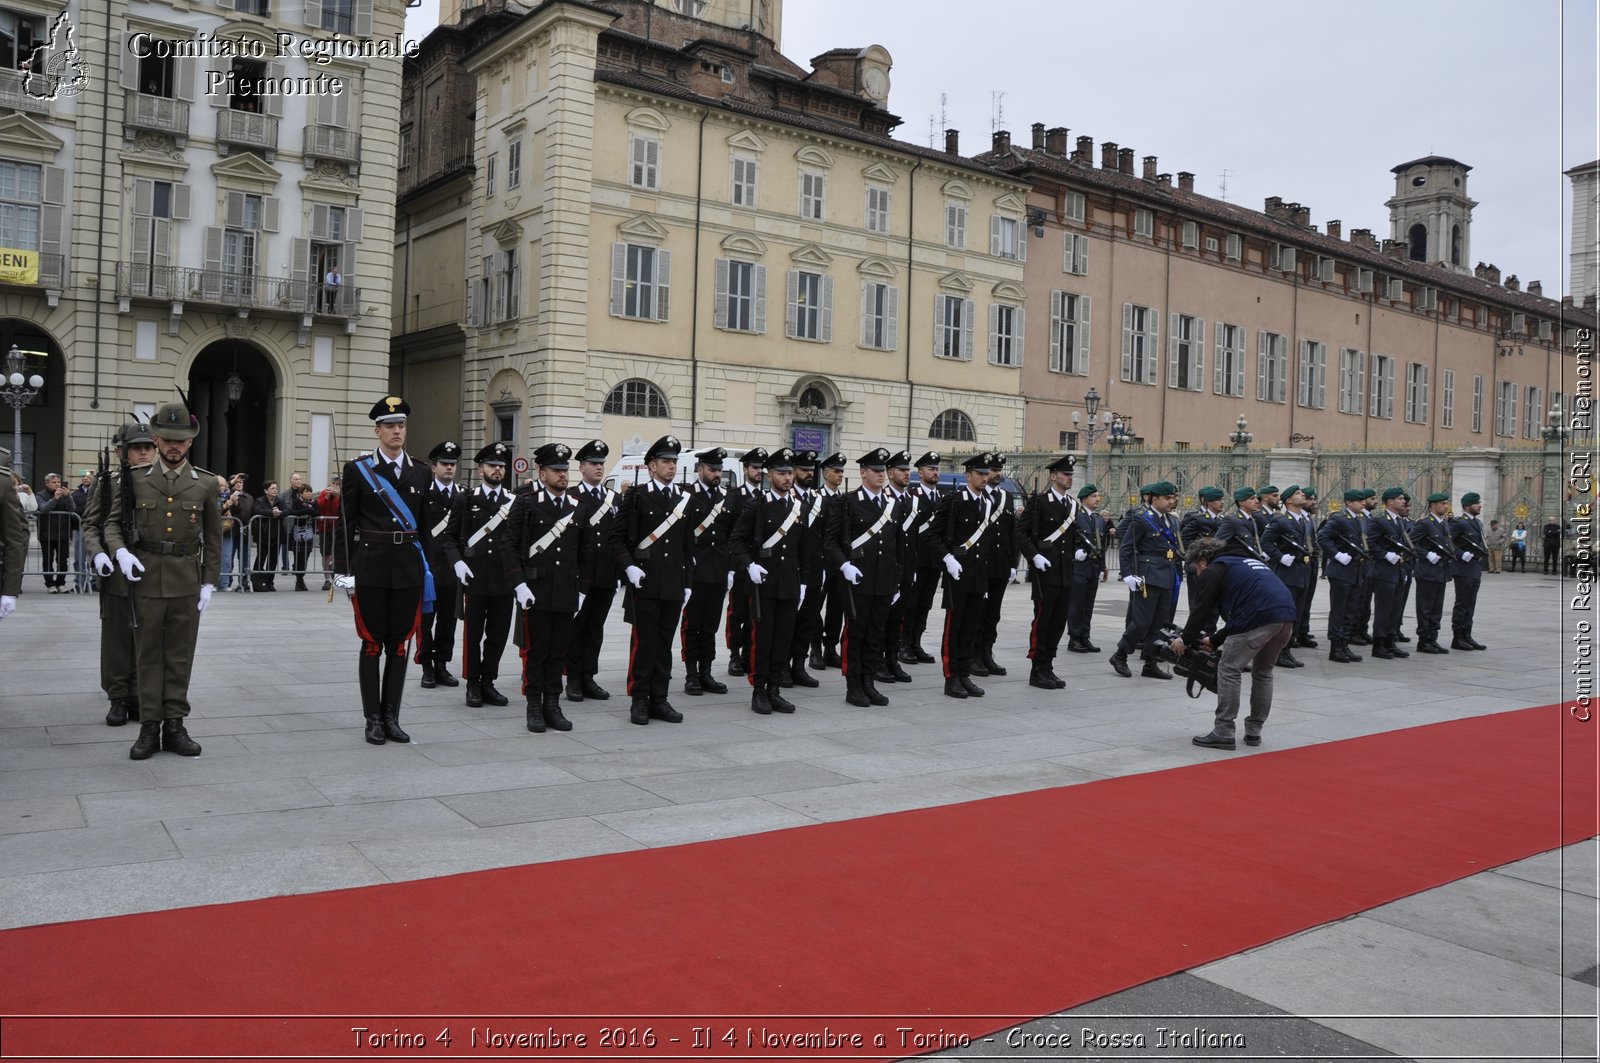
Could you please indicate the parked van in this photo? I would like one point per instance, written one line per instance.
(632, 469)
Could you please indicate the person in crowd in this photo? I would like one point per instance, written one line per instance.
(303, 531)
(1519, 546)
(268, 537)
(1496, 539)
(25, 496)
(327, 507)
(289, 500)
(57, 521)
(237, 509)
(82, 578)
(1552, 546)
(13, 544)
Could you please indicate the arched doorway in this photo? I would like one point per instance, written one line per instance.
(43, 442)
(233, 390)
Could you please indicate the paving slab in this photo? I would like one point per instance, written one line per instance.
(23, 815)
(680, 823)
(1575, 868)
(430, 855)
(553, 802)
(438, 781)
(251, 831)
(58, 850)
(188, 802)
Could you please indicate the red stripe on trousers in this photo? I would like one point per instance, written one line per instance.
(755, 633)
(944, 647)
(370, 647)
(633, 651)
(466, 631)
(844, 651)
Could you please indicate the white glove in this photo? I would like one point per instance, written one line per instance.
(205, 595)
(346, 584)
(1392, 557)
(1286, 560)
(1133, 582)
(952, 566)
(525, 595)
(1342, 557)
(1081, 555)
(757, 573)
(1433, 558)
(581, 597)
(129, 565)
(1466, 555)
(851, 574)
(8, 605)
(635, 575)
(1013, 576)
(463, 573)
(103, 565)
(894, 599)
(802, 594)
(730, 581)
(1041, 562)
(687, 591)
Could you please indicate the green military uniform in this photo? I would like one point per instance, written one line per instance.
(13, 535)
(175, 535)
(118, 675)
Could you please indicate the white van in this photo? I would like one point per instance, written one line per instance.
(631, 468)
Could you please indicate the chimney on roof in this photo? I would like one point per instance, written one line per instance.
(1536, 288)
(952, 141)
(1125, 161)
(1038, 136)
(1108, 155)
(1300, 215)
(1164, 180)
(1363, 238)
(1002, 141)
(1491, 273)
(1185, 181)
(1336, 228)
(1055, 140)
(1084, 155)
(1512, 284)
(1149, 167)
(1274, 208)
(1480, 271)
(1397, 249)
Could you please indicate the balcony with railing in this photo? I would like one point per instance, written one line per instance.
(334, 143)
(159, 114)
(52, 275)
(241, 292)
(249, 130)
(14, 92)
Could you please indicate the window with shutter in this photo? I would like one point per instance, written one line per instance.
(1005, 334)
(1185, 356)
(813, 189)
(878, 309)
(1313, 375)
(1272, 367)
(1191, 234)
(514, 164)
(877, 209)
(1075, 258)
(1235, 247)
(1477, 404)
(1447, 398)
(645, 155)
(743, 182)
(1144, 223)
(955, 224)
(809, 307)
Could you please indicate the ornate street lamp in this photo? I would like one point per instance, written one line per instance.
(1240, 437)
(19, 390)
(1091, 403)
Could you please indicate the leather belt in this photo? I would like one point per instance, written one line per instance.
(169, 549)
(372, 535)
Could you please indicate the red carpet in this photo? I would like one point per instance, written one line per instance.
(951, 921)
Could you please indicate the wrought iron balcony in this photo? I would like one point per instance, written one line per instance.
(247, 129)
(238, 291)
(332, 142)
(14, 94)
(157, 113)
(52, 273)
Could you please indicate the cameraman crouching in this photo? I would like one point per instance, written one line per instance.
(1260, 613)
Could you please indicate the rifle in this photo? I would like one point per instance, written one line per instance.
(1096, 554)
(130, 530)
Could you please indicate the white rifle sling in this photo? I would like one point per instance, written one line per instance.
(666, 525)
(991, 514)
(783, 529)
(543, 542)
(1059, 532)
(494, 522)
(711, 518)
(911, 517)
(438, 529)
(871, 533)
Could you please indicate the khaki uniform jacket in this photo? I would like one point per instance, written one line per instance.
(94, 532)
(13, 538)
(179, 532)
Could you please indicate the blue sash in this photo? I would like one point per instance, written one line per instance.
(1172, 540)
(402, 514)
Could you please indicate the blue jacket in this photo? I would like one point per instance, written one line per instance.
(1243, 591)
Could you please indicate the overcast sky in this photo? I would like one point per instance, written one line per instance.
(1314, 103)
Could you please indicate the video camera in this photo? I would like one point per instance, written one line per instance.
(1197, 666)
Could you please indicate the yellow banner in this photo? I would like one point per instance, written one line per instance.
(19, 267)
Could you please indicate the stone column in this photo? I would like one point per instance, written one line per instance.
(1476, 469)
(1290, 466)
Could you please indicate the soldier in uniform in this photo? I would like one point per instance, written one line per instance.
(1271, 505)
(926, 580)
(1289, 545)
(808, 614)
(136, 447)
(966, 518)
(737, 630)
(1242, 528)
(1343, 538)
(1151, 558)
(479, 547)
(1362, 615)
(1045, 535)
(600, 574)
(380, 559)
(652, 541)
(825, 654)
(863, 545)
(167, 539)
(1472, 554)
(712, 522)
(1205, 519)
(1088, 563)
(913, 512)
(547, 542)
(1002, 568)
(771, 544)
(1393, 555)
(437, 644)
(1436, 556)
(13, 539)
(1302, 632)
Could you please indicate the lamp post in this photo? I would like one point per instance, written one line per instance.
(1091, 404)
(1240, 437)
(19, 390)
(1120, 434)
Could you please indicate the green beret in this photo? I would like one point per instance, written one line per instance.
(1355, 494)
(1392, 493)
(1471, 498)
(1210, 494)
(1244, 493)
(1367, 492)
(1163, 487)
(1267, 490)
(1289, 492)
(1438, 496)
(1309, 492)
(1086, 490)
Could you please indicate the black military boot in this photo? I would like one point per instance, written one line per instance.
(830, 658)
(1361, 638)
(1061, 684)
(117, 714)
(736, 666)
(978, 668)
(1396, 650)
(535, 713)
(1119, 664)
(691, 679)
(854, 694)
(869, 686)
(1475, 643)
(639, 711)
(884, 674)
(574, 688)
(710, 683)
(1381, 650)
(149, 740)
(661, 709)
(593, 690)
(900, 674)
(428, 681)
(394, 686)
(491, 696)
(973, 690)
(1287, 659)
(1152, 670)
(371, 698)
(474, 694)
(1037, 678)
(801, 677)
(554, 718)
(442, 676)
(1340, 653)
(1430, 646)
(778, 701)
(954, 689)
(918, 654)
(761, 701)
(175, 739)
(1401, 638)
(815, 660)
(989, 663)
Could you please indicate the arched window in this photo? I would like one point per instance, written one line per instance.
(1455, 245)
(636, 398)
(1419, 242)
(814, 398)
(953, 425)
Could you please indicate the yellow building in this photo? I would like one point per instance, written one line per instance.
(673, 228)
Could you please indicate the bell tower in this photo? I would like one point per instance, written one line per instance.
(1431, 212)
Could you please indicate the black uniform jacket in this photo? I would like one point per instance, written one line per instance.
(493, 557)
(711, 514)
(855, 515)
(368, 542)
(961, 516)
(1046, 528)
(653, 531)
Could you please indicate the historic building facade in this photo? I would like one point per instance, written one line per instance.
(209, 194)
